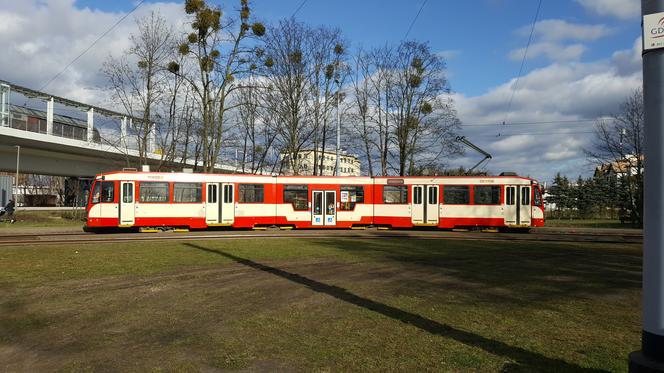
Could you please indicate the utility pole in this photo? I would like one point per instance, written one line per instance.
(336, 166)
(651, 356)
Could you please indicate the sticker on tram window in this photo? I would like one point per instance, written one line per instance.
(344, 196)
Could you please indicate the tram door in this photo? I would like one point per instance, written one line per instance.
(517, 205)
(524, 205)
(212, 204)
(424, 204)
(127, 209)
(219, 205)
(324, 207)
(227, 204)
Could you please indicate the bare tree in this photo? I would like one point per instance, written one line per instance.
(402, 109)
(326, 74)
(361, 115)
(137, 78)
(257, 134)
(425, 123)
(215, 78)
(287, 61)
(382, 81)
(618, 144)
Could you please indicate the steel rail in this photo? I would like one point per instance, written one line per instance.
(87, 238)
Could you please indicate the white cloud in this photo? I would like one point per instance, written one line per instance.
(10, 22)
(448, 54)
(623, 9)
(560, 30)
(552, 51)
(559, 92)
(552, 37)
(41, 38)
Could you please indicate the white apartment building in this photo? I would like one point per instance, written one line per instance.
(349, 165)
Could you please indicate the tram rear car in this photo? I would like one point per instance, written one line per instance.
(150, 199)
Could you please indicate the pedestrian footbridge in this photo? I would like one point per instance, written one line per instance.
(42, 142)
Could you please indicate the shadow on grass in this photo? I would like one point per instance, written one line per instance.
(534, 272)
(525, 360)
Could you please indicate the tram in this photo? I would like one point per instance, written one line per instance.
(133, 199)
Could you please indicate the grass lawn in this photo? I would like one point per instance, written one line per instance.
(320, 306)
(587, 223)
(44, 219)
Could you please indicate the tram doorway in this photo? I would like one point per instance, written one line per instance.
(219, 204)
(424, 205)
(127, 203)
(517, 211)
(324, 207)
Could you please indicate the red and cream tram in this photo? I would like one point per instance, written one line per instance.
(151, 199)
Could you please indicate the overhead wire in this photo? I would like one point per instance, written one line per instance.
(571, 121)
(523, 61)
(298, 8)
(92, 45)
(412, 23)
(541, 133)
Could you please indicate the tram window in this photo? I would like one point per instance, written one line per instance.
(96, 193)
(509, 196)
(251, 193)
(187, 192)
(228, 193)
(107, 191)
(525, 196)
(318, 203)
(487, 194)
(456, 194)
(127, 193)
(151, 191)
(395, 194)
(433, 195)
(417, 195)
(296, 195)
(537, 200)
(212, 193)
(352, 194)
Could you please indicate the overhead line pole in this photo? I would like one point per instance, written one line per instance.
(336, 166)
(651, 356)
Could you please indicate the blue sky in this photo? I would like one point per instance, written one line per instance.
(476, 35)
(584, 60)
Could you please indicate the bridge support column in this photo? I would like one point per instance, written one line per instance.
(123, 132)
(4, 105)
(91, 124)
(49, 116)
(152, 147)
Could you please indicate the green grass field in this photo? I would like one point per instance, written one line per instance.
(587, 223)
(34, 219)
(320, 306)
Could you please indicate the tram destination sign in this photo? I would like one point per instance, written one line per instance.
(653, 31)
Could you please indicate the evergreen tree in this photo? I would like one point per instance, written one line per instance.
(559, 194)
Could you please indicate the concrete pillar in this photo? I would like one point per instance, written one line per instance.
(49, 116)
(91, 124)
(4, 105)
(123, 132)
(153, 145)
(651, 356)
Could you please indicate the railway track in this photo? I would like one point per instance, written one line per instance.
(92, 238)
